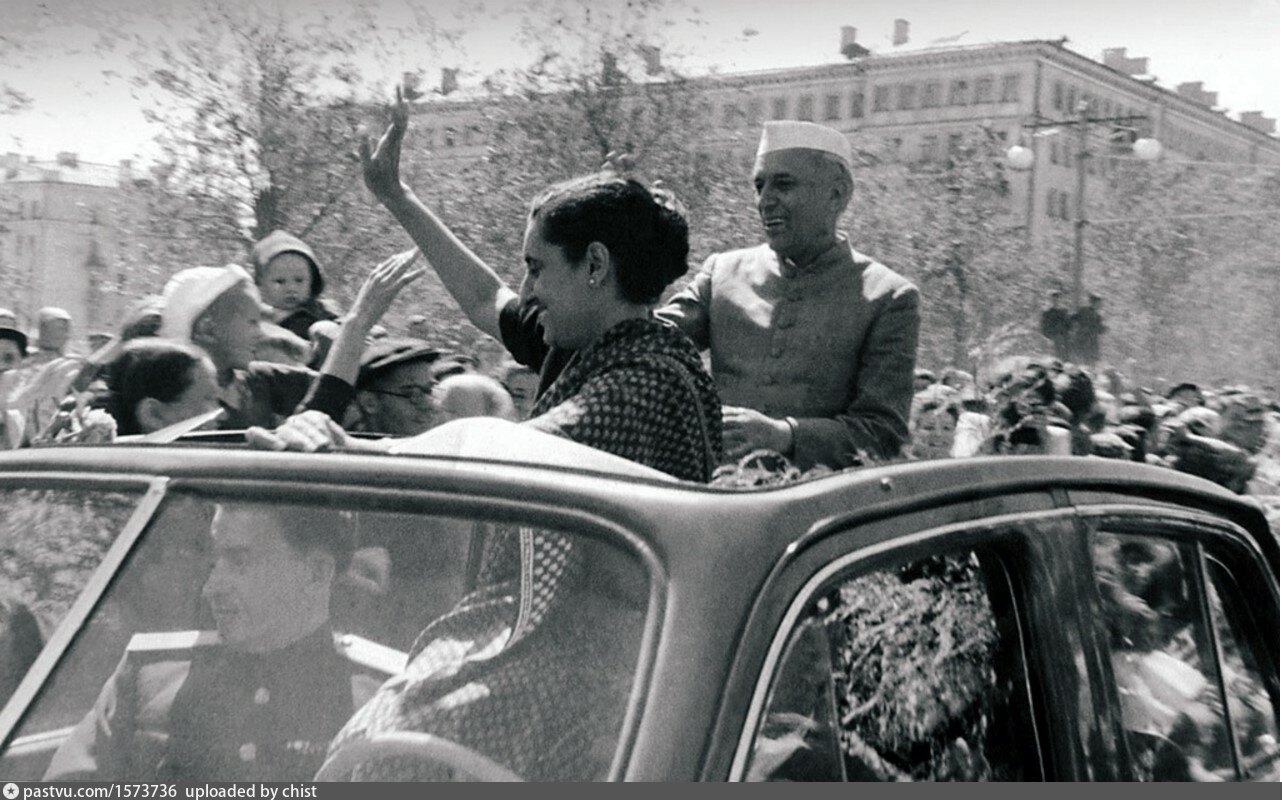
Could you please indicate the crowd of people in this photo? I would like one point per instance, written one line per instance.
(800, 347)
(1042, 405)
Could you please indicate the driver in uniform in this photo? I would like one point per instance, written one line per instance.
(260, 698)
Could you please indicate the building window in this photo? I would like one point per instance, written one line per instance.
(754, 110)
(1054, 151)
(779, 108)
(954, 142)
(806, 107)
(1063, 205)
(1010, 88)
(907, 96)
(984, 90)
(1070, 100)
(1002, 137)
(832, 107)
(856, 105)
(957, 93)
(1052, 202)
(1057, 97)
(930, 95)
(929, 147)
(881, 98)
(35, 209)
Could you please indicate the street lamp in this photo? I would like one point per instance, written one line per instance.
(1022, 158)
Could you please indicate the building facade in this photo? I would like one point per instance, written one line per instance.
(64, 238)
(916, 102)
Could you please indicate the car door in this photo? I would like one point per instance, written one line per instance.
(936, 644)
(417, 569)
(1184, 608)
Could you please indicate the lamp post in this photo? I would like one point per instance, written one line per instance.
(1022, 158)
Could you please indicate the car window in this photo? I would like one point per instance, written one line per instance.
(1153, 616)
(906, 673)
(1255, 723)
(250, 640)
(51, 540)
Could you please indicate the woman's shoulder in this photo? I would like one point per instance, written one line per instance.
(656, 344)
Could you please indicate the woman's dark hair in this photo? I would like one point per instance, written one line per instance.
(146, 367)
(645, 230)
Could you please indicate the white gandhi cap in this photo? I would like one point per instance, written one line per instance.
(789, 135)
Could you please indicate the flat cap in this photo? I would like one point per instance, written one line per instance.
(388, 352)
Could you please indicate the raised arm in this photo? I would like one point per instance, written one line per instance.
(479, 291)
(378, 291)
(315, 427)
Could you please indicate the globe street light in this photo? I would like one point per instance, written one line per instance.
(1022, 158)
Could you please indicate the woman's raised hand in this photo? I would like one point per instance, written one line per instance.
(381, 163)
(383, 284)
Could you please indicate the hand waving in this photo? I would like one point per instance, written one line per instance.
(384, 283)
(381, 163)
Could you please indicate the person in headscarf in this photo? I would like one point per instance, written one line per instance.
(599, 251)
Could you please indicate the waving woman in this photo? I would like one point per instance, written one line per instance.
(599, 250)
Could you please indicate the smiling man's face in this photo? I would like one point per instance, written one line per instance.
(264, 593)
(798, 200)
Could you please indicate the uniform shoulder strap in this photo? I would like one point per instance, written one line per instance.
(170, 644)
(370, 654)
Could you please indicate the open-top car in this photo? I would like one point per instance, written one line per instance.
(1011, 618)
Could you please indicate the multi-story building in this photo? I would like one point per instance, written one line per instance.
(918, 101)
(63, 237)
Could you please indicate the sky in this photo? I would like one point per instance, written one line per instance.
(83, 101)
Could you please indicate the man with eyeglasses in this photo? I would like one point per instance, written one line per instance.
(395, 385)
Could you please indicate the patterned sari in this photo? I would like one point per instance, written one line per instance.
(529, 668)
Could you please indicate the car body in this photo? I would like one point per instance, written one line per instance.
(945, 619)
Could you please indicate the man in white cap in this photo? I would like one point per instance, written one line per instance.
(813, 344)
(52, 333)
(219, 310)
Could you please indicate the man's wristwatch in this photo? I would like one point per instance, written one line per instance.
(792, 436)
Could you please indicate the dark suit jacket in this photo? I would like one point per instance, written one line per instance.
(182, 707)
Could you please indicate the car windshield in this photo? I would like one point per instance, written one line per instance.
(254, 640)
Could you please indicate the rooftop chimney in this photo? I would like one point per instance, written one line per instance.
(1115, 58)
(449, 80)
(901, 32)
(1193, 91)
(1257, 120)
(66, 159)
(849, 47)
(652, 58)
